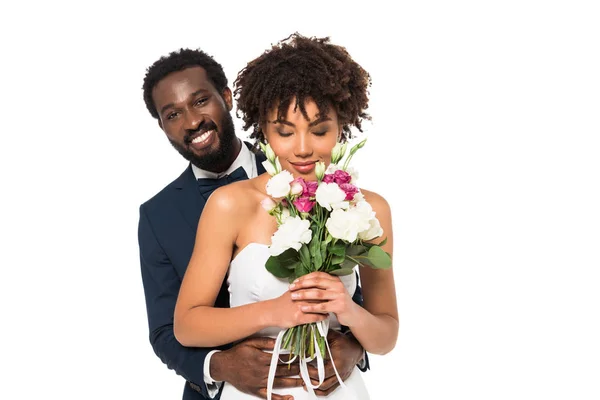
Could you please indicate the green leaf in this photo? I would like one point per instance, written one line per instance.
(379, 258)
(288, 257)
(356, 250)
(342, 271)
(274, 266)
(304, 256)
(300, 270)
(348, 263)
(339, 249)
(315, 252)
(337, 259)
(383, 242)
(324, 250)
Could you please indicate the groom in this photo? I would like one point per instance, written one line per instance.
(187, 93)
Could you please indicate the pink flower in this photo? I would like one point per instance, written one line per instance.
(311, 189)
(340, 176)
(304, 204)
(349, 189)
(328, 178)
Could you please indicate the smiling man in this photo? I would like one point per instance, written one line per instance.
(195, 117)
(188, 95)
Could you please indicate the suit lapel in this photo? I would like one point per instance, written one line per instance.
(189, 200)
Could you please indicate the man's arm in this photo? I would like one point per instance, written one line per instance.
(244, 365)
(161, 286)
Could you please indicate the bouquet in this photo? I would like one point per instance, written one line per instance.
(323, 225)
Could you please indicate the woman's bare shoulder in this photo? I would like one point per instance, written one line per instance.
(238, 195)
(377, 201)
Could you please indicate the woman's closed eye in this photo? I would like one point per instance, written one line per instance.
(284, 134)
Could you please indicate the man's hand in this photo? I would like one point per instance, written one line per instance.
(346, 353)
(246, 366)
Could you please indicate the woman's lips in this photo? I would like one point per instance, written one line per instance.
(304, 168)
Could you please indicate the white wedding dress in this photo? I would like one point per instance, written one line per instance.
(249, 282)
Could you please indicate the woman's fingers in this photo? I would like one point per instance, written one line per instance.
(315, 295)
(319, 280)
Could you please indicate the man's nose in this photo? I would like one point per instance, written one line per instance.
(193, 120)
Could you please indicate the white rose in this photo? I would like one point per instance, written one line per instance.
(330, 196)
(374, 230)
(291, 234)
(358, 197)
(279, 185)
(365, 209)
(346, 224)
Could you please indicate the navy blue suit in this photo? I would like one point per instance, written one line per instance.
(166, 234)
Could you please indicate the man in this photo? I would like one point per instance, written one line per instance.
(187, 93)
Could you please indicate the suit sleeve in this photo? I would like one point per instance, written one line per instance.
(161, 287)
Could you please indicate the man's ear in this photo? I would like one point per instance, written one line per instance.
(160, 123)
(227, 96)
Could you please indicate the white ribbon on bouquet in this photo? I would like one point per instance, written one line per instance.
(322, 327)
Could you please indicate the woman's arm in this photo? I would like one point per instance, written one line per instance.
(376, 325)
(197, 322)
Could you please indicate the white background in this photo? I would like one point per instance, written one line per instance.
(485, 141)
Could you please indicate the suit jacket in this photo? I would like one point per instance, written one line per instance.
(166, 235)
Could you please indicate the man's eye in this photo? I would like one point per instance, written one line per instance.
(172, 115)
(201, 101)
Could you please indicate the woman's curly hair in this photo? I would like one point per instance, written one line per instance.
(300, 68)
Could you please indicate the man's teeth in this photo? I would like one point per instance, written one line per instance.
(203, 137)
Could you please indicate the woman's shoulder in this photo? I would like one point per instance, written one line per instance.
(234, 196)
(377, 201)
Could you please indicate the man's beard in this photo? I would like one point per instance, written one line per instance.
(216, 160)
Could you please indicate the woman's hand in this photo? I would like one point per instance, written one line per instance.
(322, 293)
(285, 312)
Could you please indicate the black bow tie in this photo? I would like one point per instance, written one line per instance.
(209, 185)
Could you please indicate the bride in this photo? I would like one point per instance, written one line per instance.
(301, 96)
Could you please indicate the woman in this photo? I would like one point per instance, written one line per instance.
(301, 96)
